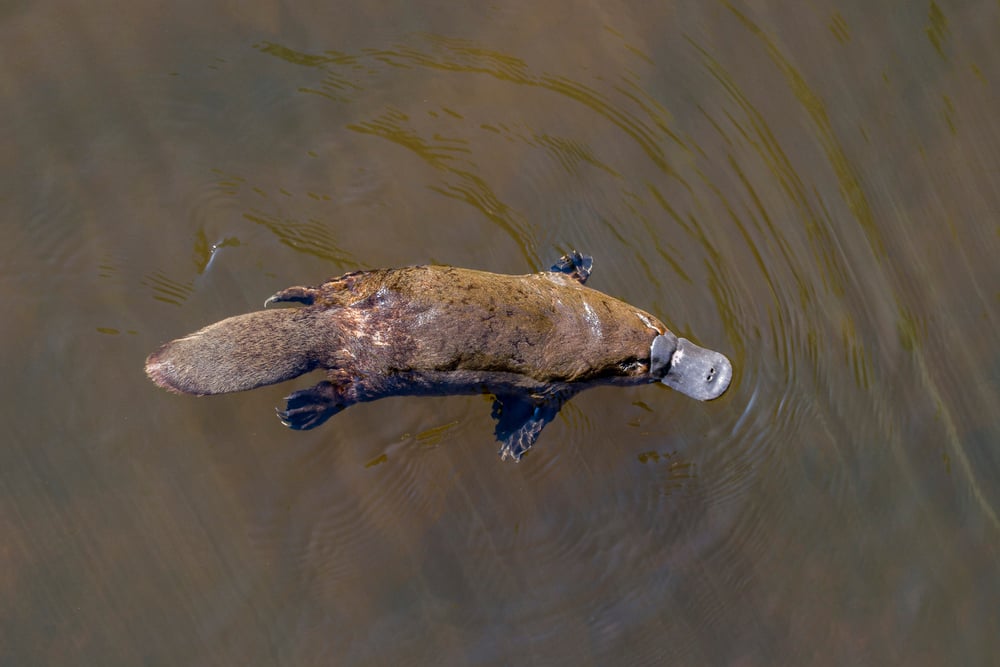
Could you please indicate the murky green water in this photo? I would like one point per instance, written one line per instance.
(811, 190)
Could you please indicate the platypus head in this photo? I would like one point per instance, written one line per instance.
(692, 370)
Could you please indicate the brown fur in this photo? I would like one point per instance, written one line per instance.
(544, 328)
(533, 341)
(239, 353)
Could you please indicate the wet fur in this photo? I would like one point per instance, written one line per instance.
(535, 339)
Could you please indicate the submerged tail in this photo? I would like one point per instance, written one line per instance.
(236, 354)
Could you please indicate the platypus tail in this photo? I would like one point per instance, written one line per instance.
(239, 353)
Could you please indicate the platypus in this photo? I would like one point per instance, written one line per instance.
(531, 341)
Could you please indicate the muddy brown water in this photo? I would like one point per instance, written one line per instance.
(812, 190)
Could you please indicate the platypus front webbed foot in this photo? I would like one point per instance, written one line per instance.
(308, 408)
(521, 418)
(576, 265)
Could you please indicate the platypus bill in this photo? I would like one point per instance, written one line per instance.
(532, 341)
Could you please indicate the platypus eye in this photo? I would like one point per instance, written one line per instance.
(632, 367)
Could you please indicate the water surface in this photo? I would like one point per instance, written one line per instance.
(811, 190)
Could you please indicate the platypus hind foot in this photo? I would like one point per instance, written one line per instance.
(308, 408)
(304, 295)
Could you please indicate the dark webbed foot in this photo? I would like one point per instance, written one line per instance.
(576, 265)
(303, 295)
(520, 420)
(308, 408)
(515, 443)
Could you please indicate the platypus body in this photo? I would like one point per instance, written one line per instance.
(532, 341)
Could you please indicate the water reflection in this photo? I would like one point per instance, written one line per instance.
(348, 77)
